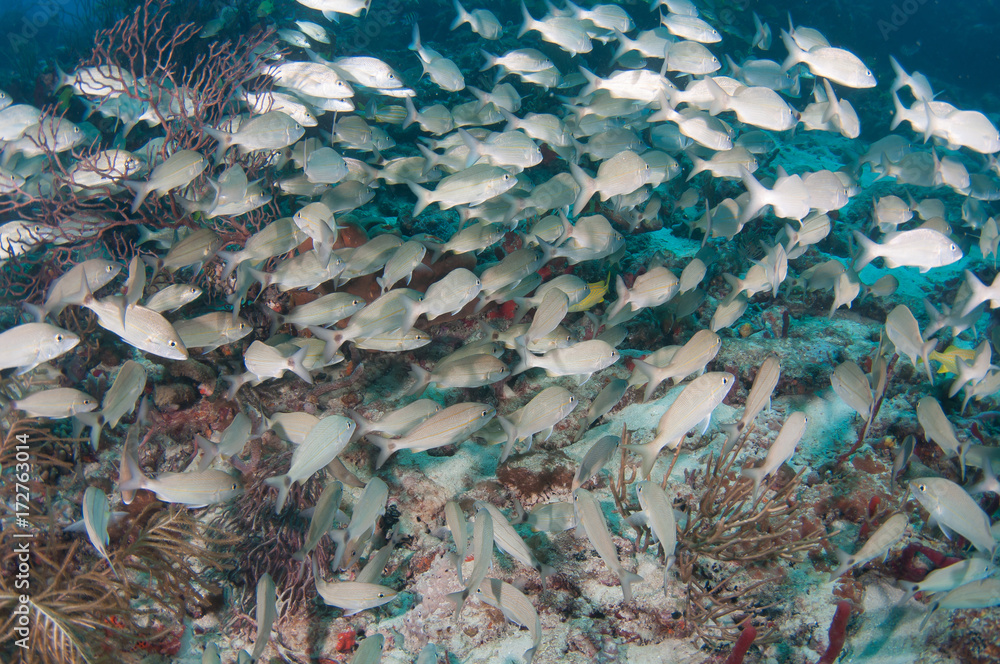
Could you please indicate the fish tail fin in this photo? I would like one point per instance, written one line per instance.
(94, 420)
(756, 476)
(232, 260)
(276, 319)
(732, 430)
(987, 470)
(980, 293)
(866, 251)
(333, 340)
(524, 305)
(511, 431)
(385, 448)
(283, 485)
(462, 17)
(209, 449)
(491, 60)
(623, 298)
(363, 425)
(846, 562)
(699, 165)
(524, 363)
(647, 453)
(415, 38)
(720, 100)
(925, 351)
(235, 383)
(592, 81)
(140, 189)
(475, 147)
(35, 311)
(421, 377)
(137, 479)
(546, 571)
(650, 373)
(224, 139)
(624, 45)
(296, 365)
(411, 113)
(795, 54)
(458, 598)
(900, 111)
(909, 589)
(528, 23)
(587, 188)
(423, 197)
(760, 196)
(627, 579)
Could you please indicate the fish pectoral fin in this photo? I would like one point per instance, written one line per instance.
(704, 424)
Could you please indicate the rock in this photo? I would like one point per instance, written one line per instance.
(174, 396)
(194, 370)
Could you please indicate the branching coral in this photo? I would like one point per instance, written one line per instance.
(162, 556)
(150, 57)
(725, 524)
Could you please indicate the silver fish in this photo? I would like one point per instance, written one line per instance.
(450, 426)
(325, 441)
(922, 248)
(552, 517)
(470, 371)
(482, 545)
(781, 450)
(267, 613)
(322, 519)
(877, 545)
(172, 297)
(54, 403)
(96, 515)
(211, 330)
(194, 489)
(691, 358)
(396, 423)
(538, 416)
(658, 515)
(28, 345)
(595, 459)
(953, 510)
(582, 359)
(370, 506)
(508, 541)
(516, 607)
(760, 396)
(607, 399)
(351, 596)
(177, 171)
(591, 519)
(904, 332)
(694, 405)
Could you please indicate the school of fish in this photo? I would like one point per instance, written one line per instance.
(537, 203)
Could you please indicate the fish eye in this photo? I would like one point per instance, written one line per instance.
(381, 595)
(59, 337)
(171, 343)
(922, 487)
(484, 413)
